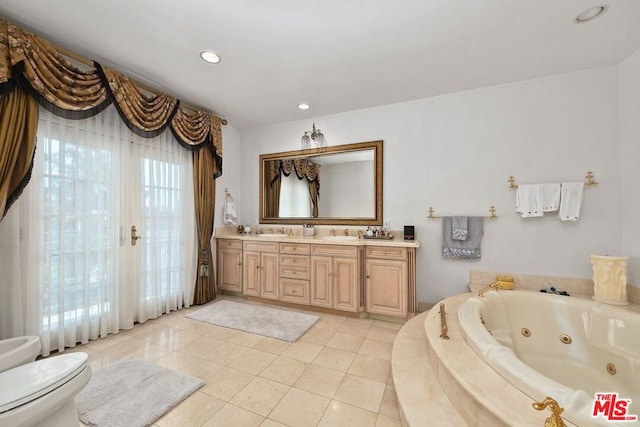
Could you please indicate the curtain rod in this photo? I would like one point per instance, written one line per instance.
(144, 86)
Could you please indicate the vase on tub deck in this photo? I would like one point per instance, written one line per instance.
(610, 279)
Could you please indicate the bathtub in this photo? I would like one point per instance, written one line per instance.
(568, 348)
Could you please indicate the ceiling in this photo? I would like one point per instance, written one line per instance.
(337, 55)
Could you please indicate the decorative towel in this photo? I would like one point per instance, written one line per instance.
(462, 249)
(550, 197)
(460, 227)
(529, 200)
(229, 213)
(570, 201)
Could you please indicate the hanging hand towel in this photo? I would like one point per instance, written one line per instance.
(528, 200)
(550, 197)
(459, 227)
(570, 201)
(229, 214)
(462, 249)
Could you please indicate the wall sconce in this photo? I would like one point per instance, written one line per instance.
(313, 139)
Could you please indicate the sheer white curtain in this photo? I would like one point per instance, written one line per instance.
(72, 272)
(295, 200)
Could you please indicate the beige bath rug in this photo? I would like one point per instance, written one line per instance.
(132, 393)
(265, 321)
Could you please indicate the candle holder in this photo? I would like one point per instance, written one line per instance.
(610, 279)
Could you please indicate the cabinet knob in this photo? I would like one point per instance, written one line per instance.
(239, 263)
(367, 276)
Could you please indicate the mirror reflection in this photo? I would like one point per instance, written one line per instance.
(332, 185)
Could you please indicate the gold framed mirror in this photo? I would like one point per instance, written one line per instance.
(334, 185)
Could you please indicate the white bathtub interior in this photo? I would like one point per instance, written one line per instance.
(542, 364)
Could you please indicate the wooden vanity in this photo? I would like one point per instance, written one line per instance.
(356, 276)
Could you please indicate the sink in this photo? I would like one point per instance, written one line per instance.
(272, 235)
(340, 238)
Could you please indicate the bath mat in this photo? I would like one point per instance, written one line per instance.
(269, 322)
(132, 393)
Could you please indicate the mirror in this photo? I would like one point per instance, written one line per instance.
(330, 185)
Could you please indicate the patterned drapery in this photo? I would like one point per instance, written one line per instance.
(76, 92)
(303, 167)
(34, 65)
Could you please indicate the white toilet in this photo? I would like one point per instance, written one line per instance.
(42, 393)
(18, 351)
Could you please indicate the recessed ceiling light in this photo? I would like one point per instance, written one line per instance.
(210, 57)
(304, 106)
(591, 13)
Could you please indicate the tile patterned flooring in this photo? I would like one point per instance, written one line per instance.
(336, 374)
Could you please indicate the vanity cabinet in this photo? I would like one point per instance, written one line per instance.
(260, 269)
(294, 273)
(229, 263)
(387, 280)
(334, 277)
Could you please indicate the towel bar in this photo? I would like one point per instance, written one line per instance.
(492, 213)
(589, 180)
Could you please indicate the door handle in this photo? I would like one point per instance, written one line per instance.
(134, 235)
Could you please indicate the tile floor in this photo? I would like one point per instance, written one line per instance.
(336, 374)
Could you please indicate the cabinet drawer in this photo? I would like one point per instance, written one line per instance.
(294, 272)
(294, 248)
(334, 250)
(229, 243)
(388, 252)
(296, 291)
(294, 260)
(250, 245)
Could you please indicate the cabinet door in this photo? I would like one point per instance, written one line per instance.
(321, 281)
(251, 273)
(269, 275)
(387, 287)
(345, 284)
(230, 269)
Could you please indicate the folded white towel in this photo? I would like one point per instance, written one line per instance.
(570, 201)
(550, 197)
(230, 214)
(529, 201)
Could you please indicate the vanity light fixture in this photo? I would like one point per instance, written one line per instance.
(304, 106)
(313, 139)
(210, 57)
(591, 14)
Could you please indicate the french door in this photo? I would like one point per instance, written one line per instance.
(99, 183)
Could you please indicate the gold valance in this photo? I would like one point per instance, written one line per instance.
(55, 82)
(73, 92)
(146, 115)
(304, 168)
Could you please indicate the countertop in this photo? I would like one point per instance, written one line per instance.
(321, 239)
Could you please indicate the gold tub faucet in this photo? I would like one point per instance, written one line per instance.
(491, 286)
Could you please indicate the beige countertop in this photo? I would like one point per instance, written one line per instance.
(324, 239)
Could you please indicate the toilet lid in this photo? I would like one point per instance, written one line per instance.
(25, 383)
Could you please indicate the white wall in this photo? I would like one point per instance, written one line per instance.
(351, 184)
(455, 153)
(629, 83)
(231, 178)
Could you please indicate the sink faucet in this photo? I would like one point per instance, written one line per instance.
(333, 232)
(346, 231)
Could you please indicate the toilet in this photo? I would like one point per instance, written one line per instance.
(42, 393)
(18, 351)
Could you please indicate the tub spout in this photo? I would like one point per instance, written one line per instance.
(555, 420)
(491, 286)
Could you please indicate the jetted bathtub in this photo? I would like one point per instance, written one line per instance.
(567, 348)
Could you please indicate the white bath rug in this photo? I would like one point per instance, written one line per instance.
(265, 321)
(132, 393)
